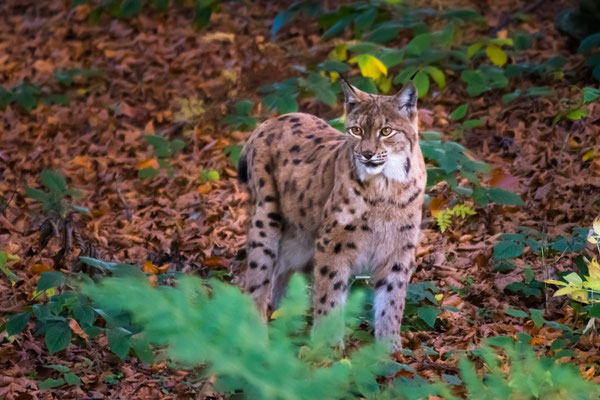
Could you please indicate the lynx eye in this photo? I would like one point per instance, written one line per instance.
(355, 130)
(386, 131)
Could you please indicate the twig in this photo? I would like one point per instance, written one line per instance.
(10, 310)
(508, 19)
(122, 199)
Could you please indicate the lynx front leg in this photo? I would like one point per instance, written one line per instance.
(331, 274)
(391, 281)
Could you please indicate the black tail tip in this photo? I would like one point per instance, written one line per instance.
(242, 169)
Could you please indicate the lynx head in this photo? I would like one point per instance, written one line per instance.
(383, 130)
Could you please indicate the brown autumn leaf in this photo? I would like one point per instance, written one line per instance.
(148, 163)
(215, 261)
(503, 180)
(39, 268)
(436, 205)
(74, 325)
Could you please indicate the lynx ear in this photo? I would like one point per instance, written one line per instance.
(406, 100)
(353, 95)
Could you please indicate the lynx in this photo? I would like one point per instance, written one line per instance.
(337, 203)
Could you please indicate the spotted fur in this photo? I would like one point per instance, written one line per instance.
(338, 203)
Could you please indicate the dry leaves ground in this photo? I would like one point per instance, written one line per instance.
(161, 74)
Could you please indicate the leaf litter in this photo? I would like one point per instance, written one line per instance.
(160, 76)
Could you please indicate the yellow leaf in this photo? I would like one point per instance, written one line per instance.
(333, 76)
(276, 314)
(596, 226)
(385, 84)
(588, 155)
(472, 49)
(580, 295)
(594, 270)
(439, 296)
(573, 143)
(553, 282)
(563, 291)
(339, 53)
(496, 54)
(12, 257)
(345, 361)
(370, 66)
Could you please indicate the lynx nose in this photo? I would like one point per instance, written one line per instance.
(367, 154)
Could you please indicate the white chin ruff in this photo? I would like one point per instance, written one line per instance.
(374, 170)
(394, 168)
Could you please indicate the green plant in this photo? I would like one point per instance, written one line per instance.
(209, 175)
(67, 76)
(241, 118)
(67, 378)
(199, 322)
(130, 8)
(582, 23)
(529, 286)
(53, 200)
(234, 152)
(4, 259)
(575, 108)
(162, 150)
(27, 95)
(512, 245)
(444, 217)
(55, 318)
(449, 159)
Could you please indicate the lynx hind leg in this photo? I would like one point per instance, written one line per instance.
(295, 252)
(264, 235)
(391, 283)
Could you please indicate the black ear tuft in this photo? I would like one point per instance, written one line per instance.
(407, 100)
(353, 95)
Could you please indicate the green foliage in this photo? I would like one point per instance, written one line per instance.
(460, 112)
(527, 377)
(582, 24)
(484, 79)
(576, 108)
(234, 152)
(281, 96)
(197, 325)
(512, 245)
(209, 175)
(67, 76)
(529, 286)
(444, 217)
(27, 96)
(198, 322)
(52, 320)
(126, 9)
(451, 159)
(68, 378)
(241, 118)
(4, 259)
(162, 150)
(53, 200)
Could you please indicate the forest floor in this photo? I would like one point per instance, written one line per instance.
(162, 75)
